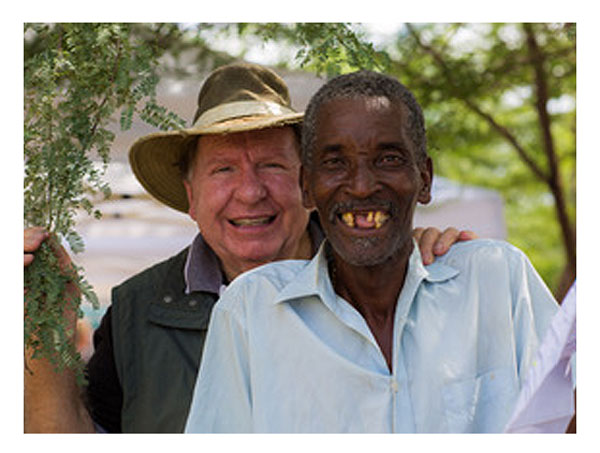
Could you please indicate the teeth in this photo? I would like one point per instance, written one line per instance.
(380, 218)
(373, 219)
(251, 222)
(348, 219)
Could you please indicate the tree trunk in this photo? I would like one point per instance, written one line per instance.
(553, 179)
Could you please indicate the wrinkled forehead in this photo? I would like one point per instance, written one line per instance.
(361, 113)
(368, 104)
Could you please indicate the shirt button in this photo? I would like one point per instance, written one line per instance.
(394, 385)
(167, 299)
(193, 303)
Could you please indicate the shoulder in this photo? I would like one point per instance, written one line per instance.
(479, 251)
(485, 261)
(152, 279)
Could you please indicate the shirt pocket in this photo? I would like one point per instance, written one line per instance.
(480, 404)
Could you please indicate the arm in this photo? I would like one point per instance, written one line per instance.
(432, 242)
(52, 401)
(545, 345)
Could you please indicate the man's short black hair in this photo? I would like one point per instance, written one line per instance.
(364, 84)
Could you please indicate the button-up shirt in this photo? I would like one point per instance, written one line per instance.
(285, 353)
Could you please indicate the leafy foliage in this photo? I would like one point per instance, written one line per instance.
(330, 48)
(77, 76)
(323, 48)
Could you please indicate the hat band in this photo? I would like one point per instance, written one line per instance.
(240, 109)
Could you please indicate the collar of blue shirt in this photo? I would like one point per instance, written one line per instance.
(313, 279)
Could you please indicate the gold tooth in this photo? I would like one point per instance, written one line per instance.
(380, 219)
(370, 216)
(348, 219)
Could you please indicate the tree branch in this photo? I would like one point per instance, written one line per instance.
(503, 131)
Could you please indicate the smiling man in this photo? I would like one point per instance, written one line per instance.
(364, 337)
(244, 196)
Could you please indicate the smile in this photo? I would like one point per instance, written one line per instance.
(364, 220)
(254, 221)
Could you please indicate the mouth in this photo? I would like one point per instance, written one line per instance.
(364, 220)
(252, 221)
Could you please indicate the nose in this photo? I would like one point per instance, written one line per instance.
(363, 181)
(251, 188)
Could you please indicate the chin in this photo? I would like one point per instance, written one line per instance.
(369, 251)
(362, 252)
(262, 256)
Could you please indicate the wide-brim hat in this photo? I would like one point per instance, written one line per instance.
(234, 98)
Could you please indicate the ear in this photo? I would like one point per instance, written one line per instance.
(426, 169)
(307, 200)
(190, 197)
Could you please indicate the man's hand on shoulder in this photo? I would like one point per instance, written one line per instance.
(433, 242)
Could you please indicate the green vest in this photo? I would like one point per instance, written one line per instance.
(158, 335)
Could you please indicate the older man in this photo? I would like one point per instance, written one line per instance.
(363, 337)
(236, 172)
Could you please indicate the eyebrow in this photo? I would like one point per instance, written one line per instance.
(396, 145)
(331, 148)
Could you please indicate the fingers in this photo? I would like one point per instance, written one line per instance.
(417, 233)
(432, 242)
(449, 237)
(32, 239)
(27, 259)
(467, 235)
(446, 239)
(64, 260)
(426, 239)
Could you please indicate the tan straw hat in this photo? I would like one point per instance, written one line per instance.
(235, 98)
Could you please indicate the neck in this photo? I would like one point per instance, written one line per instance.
(303, 250)
(373, 291)
(370, 289)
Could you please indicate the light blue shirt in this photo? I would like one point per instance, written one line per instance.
(284, 353)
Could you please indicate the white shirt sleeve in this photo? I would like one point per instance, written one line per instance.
(546, 402)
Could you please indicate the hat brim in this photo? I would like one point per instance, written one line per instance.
(155, 158)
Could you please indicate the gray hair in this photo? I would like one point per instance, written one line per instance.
(364, 84)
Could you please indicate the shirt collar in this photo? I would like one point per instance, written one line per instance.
(313, 279)
(202, 271)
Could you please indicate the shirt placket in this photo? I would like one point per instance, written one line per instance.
(403, 420)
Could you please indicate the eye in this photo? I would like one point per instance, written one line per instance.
(276, 165)
(392, 159)
(222, 169)
(332, 162)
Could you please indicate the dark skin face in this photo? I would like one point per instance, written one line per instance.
(365, 181)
